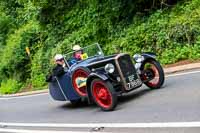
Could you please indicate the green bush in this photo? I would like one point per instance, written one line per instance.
(14, 60)
(168, 33)
(10, 86)
(40, 67)
(38, 81)
(48, 27)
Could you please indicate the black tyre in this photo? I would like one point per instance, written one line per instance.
(76, 102)
(152, 74)
(103, 94)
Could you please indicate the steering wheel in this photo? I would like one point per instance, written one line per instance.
(72, 61)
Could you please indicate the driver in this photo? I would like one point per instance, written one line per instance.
(77, 52)
(78, 55)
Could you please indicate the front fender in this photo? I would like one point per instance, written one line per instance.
(148, 55)
(102, 76)
(143, 58)
(91, 77)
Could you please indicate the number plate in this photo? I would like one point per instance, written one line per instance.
(133, 82)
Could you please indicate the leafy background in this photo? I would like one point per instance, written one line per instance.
(168, 27)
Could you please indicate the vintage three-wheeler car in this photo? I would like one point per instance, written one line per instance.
(101, 79)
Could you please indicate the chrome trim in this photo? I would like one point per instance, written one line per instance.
(66, 63)
(121, 74)
(85, 48)
(99, 48)
(119, 70)
(97, 44)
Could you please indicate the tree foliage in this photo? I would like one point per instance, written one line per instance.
(168, 27)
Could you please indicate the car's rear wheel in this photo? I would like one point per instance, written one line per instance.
(152, 74)
(104, 94)
(82, 74)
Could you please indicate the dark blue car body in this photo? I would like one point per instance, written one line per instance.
(101, 79)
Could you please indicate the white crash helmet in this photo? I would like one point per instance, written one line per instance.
(58, 57)
(76, 48)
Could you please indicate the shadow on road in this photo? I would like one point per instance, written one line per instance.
(77, 106)
(134, 95)
(121, 99)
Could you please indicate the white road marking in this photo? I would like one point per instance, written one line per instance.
(113, 125)
(37, 131)
(181, 74)
(17, 97)
(171, 75)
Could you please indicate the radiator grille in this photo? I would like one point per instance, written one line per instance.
(126, 65)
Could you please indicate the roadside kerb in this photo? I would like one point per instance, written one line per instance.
(186, 67)
(25, 93)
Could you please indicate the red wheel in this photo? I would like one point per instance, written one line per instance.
(79, 78)
(155, 75)
(103, 94)
(153, 71)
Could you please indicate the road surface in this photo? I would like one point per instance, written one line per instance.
(178, 101)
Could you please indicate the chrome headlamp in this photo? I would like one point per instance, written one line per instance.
(138, 58)
(109, 68)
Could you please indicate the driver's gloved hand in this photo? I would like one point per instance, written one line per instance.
(65, 69)
(53, 79)
(48, 78)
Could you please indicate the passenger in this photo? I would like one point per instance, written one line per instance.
(58, 70)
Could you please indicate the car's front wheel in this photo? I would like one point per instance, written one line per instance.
(104, 94)
(152, 74)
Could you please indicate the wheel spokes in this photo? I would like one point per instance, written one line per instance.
(79, 82)
(155, 75)
(102, 94)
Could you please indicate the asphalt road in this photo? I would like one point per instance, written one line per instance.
(177, 101)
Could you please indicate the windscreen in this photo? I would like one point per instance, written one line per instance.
(83, 54)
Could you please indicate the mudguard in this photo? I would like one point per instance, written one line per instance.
(148, 55)
(61, 89)
(97, 75)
